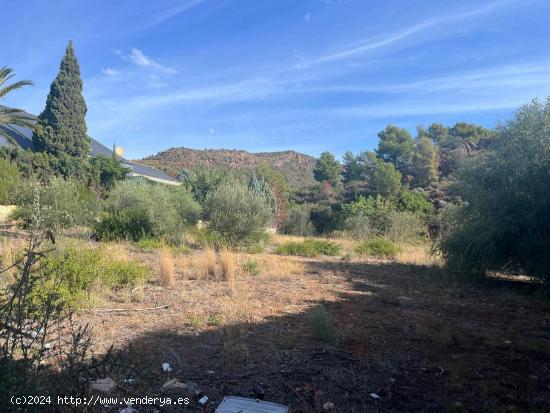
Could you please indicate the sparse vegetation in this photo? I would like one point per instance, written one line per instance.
(309, 248)
(166, 266)
(322, 324)
(251, 267)
(79, 270)
(378, 248)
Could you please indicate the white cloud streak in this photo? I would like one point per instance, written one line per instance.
(374, 44)
(139, 58)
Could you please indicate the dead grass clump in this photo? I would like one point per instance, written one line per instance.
(227, 264)
(281, 268)
(204, 264)
(417, 255)
(166, 264)
(117, 251)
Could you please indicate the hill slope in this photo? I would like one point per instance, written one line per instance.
(297, 167)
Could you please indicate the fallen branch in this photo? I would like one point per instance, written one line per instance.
(112, 310)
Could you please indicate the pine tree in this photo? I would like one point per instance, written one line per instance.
(424, 163)
(61, 128)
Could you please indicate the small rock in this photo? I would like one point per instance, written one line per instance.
(193, 388)
(128, 409)
(106, 385)
(130, 381)
(203, 400)
(328, 406)
(173, 386)
(166, 367)
(374, 396)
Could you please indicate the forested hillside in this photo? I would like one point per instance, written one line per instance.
(297, 167)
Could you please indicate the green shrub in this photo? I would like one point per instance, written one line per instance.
(155, 244)
(504, 224)
(77, 270)
(238, 214)
(414, 201)
(9, 181)
(322, 324)
(324, 218)
(406, 227)
(379, 248)
(131, 224)
(60, 203)
(375, 212)
(202, 180)
(297, 222)
(309, 248)
(251, 267)
(188, 210)
(137, 209)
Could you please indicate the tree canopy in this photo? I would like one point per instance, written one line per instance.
(61, 128)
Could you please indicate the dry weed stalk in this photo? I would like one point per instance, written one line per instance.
(166, 264)
(227, 264)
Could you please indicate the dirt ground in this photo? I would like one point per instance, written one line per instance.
(408, 338)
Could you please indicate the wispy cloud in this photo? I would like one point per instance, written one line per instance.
(139, 58)
(371, 44)
(170, 12)
(110, 72)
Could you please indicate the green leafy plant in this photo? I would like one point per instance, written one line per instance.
(309, 248)
(379, 248)
(78, 269)
(322, 324)
(238, 214)
(251, 267)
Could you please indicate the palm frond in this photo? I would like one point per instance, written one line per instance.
(6, 73)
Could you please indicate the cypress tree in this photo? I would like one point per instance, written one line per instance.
(61, 128)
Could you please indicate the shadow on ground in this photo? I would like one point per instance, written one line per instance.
(407, 340)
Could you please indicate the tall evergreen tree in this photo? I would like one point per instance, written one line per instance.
(395, 145)
(424, 163)
(61, 128)
(327, 168)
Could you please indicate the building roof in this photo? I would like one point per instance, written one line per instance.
(23, 138)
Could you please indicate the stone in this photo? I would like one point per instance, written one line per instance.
(106, 385)
(328, 406)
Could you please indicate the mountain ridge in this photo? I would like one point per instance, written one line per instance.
(297, 167)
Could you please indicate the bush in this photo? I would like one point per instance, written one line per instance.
(297, 222)
(406, 227)
(60, 203)
(93, 172)
(379, 248)
(324, 218)
(309, 248)
(188, 210)
(78, 270)
(414, 201)
(375, 212)
(131, 224)
(504, 223)
(322, 324)
(251, 267)
(9, 181)
(137, 209)
(239, 215)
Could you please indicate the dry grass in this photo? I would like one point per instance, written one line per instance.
(417, 255)
(282, 267)
(204, 264)
(117, 251)
(227, 264)
(166, 266)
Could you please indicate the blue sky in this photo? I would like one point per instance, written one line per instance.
(266, 75)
